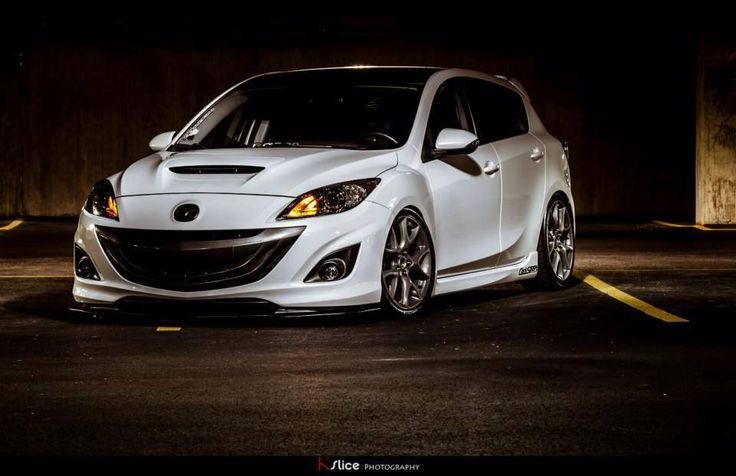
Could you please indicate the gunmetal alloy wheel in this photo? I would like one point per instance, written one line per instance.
(556, 248)
(408, 269)
(560, 240)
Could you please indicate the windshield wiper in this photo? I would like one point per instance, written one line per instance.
(291, 144)
(334, 145)
(179, 147)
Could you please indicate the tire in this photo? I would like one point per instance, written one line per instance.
(408, 267)
(555, 248)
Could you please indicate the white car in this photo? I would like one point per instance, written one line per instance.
(333, 190)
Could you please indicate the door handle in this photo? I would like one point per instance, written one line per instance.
(536, 154)
(491, 168)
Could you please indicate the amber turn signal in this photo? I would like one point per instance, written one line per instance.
(111, 211)
(306, 207)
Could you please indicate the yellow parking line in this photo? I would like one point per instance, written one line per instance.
(698, 227)
(631, 301)
(653, 270)
(42, 276)
(13, 224)
(167, 329)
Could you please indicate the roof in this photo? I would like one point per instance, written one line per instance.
(389, 75)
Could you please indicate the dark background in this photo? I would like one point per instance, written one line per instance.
(80, 99)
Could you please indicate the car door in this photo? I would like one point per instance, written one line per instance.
(500, 116)
(466, 200)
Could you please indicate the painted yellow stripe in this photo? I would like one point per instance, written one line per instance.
(630, 300)
(167, 329)
(659, 270)
(706, 228)
(698, 227)
(37, 276)
(13, 224)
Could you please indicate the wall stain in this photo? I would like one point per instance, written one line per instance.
(718, 164)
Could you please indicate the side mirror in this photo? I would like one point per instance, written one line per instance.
(161, 141)
(455, 142)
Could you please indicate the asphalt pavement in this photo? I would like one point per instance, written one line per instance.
(497, 371)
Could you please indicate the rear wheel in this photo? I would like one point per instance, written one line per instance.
(556, 248)
(408, 270)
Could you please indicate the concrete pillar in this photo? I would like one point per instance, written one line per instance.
(715, 170)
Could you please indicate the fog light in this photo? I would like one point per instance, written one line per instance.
(334, 266)
(83, 265)
(332, 270)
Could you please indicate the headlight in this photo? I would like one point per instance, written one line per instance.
(101, 201)
(331, 199)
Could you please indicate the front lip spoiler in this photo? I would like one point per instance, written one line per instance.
(211, 308)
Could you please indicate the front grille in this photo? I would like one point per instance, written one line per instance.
(195, 260)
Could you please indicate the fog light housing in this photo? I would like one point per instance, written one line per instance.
(83, 265)
(332, 270)
(335, 266)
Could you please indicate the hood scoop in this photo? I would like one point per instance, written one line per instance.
(216, 169)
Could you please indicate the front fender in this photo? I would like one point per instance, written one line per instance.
(403, 187)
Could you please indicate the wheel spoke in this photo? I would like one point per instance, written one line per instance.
(556, 262)
(560, 217)
(391, 279)
(395, 289)
(390, 274)
(570, 255)
(419, 255)
(403, 234)
(405, 288)
(565, 226)
(392, 245)
(413, 235)
(416, 289)
(565, 261)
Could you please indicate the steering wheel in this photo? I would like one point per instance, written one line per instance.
(376, 137)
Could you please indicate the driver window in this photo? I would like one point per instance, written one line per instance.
(448, 110)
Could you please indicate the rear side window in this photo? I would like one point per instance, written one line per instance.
(498, 112)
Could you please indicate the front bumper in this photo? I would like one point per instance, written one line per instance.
(283, 287)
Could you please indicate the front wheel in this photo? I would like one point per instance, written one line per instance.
(408, 271)
(556, 248)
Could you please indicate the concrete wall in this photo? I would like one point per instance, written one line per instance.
(75, 112)
(716, 131)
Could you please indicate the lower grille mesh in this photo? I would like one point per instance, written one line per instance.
(194, 260)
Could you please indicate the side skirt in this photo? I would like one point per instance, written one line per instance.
(526, 268)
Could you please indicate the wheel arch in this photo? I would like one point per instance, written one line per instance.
(560, 189)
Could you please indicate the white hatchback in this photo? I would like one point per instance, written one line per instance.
(333, 190)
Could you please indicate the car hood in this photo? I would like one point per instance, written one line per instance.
(263, 171)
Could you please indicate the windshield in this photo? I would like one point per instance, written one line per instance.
(338, 110)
